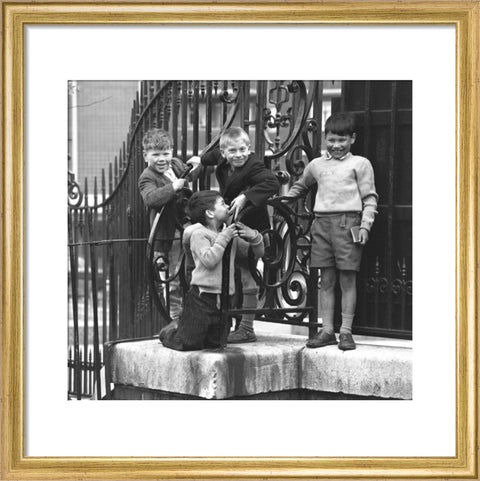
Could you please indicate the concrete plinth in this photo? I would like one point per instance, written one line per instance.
(270, 364)
(273, 365)
(369, 370)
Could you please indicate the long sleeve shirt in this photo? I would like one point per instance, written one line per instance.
(207, 249)
(344, 185)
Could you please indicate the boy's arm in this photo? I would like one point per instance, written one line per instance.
(179, 167)
(302, 185)
(210, 255)
(366, 186)
(253, 238)
(263, 184)
(153, 196)
(257, 244)
(213, 157)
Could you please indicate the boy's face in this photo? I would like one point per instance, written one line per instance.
(158, 159)
(219, 211)
(339, 145)
(236, 153)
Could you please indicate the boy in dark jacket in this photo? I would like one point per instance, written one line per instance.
(160, 186)
(244, 181)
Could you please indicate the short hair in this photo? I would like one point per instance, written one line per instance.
(341, 123)
(154, 139)
(199, 203)
(232, 134)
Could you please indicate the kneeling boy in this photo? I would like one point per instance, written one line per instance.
(201, 324)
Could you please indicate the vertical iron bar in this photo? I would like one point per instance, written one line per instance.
(131, 273)
(224, 104)
(184, 120)
(112, 297)
(391, 213)
(96, 340)
(208, 112)
(86, 267)
(104, 258)
(313, 299)
(368, 120)
(376, 293)
(259, 121)
(175, 106)
(317, 116)
(245, 85)
(73, 283)
(403, 293)
(196, 88)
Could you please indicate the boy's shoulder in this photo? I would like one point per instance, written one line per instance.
(359, 159)
(148, 172)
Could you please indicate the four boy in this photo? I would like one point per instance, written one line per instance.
(345, 203)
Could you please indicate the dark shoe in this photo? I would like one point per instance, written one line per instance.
(322, 339)
(346, 342)
(167, 330)
(241, 335)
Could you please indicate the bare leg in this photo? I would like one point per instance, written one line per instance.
(327, 297)
(348, 285)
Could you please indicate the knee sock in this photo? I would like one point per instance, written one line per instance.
(347, 321)
(249, 302)
(327, 322)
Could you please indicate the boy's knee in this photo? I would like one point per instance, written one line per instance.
(328, 278)
(348, 280)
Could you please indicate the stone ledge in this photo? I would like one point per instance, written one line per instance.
(271, 364)
(274, 363)
(369, 370)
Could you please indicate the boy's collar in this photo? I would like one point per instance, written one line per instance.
(329, 157)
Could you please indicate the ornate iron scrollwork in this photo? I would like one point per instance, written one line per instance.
(376, 283)
(402, 284)
(75, 195)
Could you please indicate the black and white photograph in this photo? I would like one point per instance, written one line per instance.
(240, 240)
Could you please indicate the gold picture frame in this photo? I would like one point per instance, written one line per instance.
(464, 15)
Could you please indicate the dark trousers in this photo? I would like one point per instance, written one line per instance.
(201, 325)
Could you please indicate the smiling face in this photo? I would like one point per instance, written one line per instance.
(158, 159)
(339, 145)
(236, 152)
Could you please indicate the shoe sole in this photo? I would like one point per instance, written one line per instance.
(347, 348)
(330, 343)
(243, 341)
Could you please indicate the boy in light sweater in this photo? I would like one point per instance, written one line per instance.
(201, 324)
(346, 199)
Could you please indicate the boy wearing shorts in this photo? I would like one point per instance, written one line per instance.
(346, 199)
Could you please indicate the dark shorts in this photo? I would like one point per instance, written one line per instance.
(332, 243)
(201, 324)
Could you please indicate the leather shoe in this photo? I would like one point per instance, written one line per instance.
(322, 339)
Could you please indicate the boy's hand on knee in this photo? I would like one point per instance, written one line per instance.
(363, 236)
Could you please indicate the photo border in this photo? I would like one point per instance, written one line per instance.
(15, 16)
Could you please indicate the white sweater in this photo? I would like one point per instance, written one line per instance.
(344, 185)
